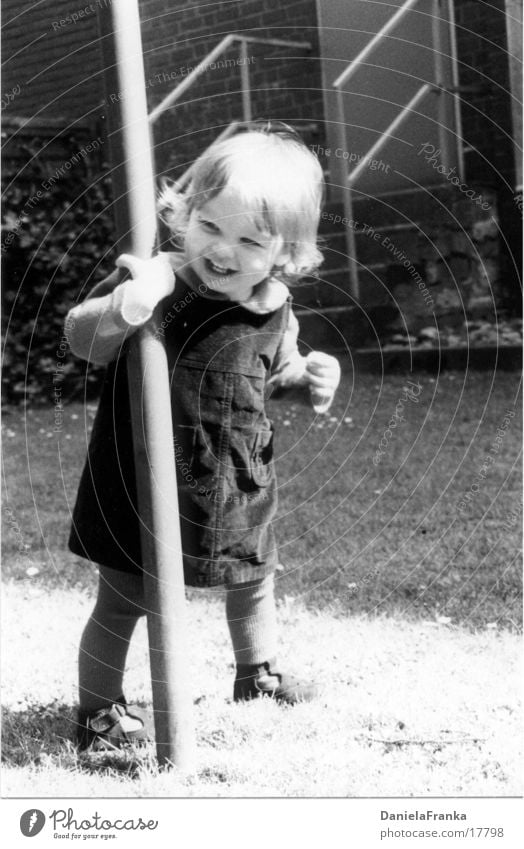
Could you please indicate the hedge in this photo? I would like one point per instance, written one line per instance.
(57, 237)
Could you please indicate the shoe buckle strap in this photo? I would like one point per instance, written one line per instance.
(271, 680)
(106, 718)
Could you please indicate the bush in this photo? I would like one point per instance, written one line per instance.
(56, 231)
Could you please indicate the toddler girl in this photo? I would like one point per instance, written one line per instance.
(245, 228)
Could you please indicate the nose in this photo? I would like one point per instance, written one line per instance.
(222, 251)
(223, 255)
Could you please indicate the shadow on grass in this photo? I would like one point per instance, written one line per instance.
(44, 735)
(35, 732)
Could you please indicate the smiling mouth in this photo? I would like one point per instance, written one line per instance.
(218, 270)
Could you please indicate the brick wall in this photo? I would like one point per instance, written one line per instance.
(285, 81)
(51, 63)
(53, 66)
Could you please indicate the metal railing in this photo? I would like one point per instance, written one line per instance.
(211, 57)
(203, 66)
(421, 94)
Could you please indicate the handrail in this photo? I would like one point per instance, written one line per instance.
(351, 179)
(200, 68)
(226, 42)
(274, 42)
(386, 29)
(417, 98)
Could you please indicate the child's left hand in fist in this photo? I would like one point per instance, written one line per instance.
(323, 376)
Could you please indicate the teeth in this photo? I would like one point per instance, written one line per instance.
(218, 268)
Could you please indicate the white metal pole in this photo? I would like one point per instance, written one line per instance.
(247, 113)
(134, 196)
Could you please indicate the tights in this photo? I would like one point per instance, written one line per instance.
(250, 612)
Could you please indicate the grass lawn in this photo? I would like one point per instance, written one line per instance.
(354, 536)
(406, 709)
(405, 605)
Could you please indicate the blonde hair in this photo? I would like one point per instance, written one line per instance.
(275, 175)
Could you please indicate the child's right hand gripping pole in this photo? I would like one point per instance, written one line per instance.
(151, 281)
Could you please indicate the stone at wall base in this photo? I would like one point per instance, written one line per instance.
(391, 359)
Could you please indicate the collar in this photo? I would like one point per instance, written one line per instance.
(268, 296)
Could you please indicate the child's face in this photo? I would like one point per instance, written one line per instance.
(226, 249)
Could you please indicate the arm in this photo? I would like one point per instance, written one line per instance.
(95, 328)
(98, 327)
(319, 371)
(289, 368)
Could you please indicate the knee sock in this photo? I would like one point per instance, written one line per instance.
(251, 617)
(106, 638)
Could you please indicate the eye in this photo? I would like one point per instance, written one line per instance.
(209, 225)
(251, 242)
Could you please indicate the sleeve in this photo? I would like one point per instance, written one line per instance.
(289, 367)
(98, 327)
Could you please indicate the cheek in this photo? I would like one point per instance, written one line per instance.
(260, 263)
(194, 244)
(257, 264)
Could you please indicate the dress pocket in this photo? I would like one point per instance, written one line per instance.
(261, 462)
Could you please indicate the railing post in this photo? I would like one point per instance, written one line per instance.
(341, 133)
(443, 132)
(246, 88)
(351, 243)
(347, 199)
(456, 96)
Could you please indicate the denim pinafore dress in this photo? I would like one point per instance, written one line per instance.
(220, 357)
